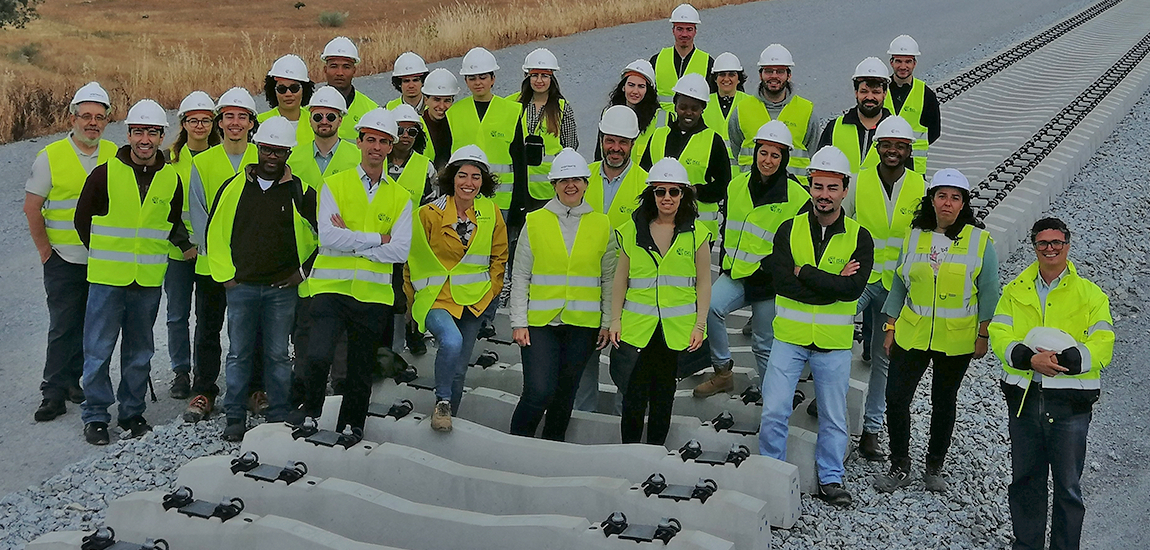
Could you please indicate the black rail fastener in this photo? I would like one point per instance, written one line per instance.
(798, 399)
(249, 465)
(486, 359)
(752, 395)
(408, 374)
(656, 485)
(311, 433)
(183, 500)
(693, 450)
(616, 524)
(726, 421)
(400, 408)
(104, 538)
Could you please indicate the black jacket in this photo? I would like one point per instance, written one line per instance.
(718, 174)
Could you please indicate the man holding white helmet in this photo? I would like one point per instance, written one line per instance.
(260, 246)
(407, 78)
(127, 214)
(821, 262)
(439, 90)
(912, 99)
(340, 57)
(50, 195)
(325, 153)
(853, 131)
(672, 63)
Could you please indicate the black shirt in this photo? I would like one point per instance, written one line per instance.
(263, 232)
(439, 132)
(813, 285)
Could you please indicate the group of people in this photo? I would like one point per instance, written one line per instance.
(335, 227)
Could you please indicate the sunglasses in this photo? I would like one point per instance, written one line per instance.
(293, 88)
(664, 191)
(318, 117)
(413, 131)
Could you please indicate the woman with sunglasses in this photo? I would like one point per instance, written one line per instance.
(661, 295)
(288, 90)
(940, 305)
(636, 89)
(546, 126)
(455, 270)
(406, 163)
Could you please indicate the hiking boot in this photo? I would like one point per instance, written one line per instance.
(235, 430)
(869, 447)
(50, 409)
(813, 408)
(933, 476)
(258, 402)
(199, 409)
(747, 329)
(76, 394)
(441, 418)
(133, 426)
(96, 433)
(834, 494)
(722, 381)
(415, 341)
(181, 386)
(897, 478)
(487, 331)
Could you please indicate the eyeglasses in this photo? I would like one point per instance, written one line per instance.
(1052, 245)
(768, 70)
(199, 121)
(293, 88)
(276, 152)
(413, 131)
(318, 117)
(89, 117)
(664, 191)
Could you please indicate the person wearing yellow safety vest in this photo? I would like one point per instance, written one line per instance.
(197, 134)
(775, 100)
(661, 294)
(50, 196)
(636, 89)
(261, 244)
(324, 153)
(700, 149)
(853, 131)
(560, 298)
(727, 78)
(547, 124)
(364, 233)
(940, 303)
(883, 200)
(456, 270)
(128, 216)
(674, 62)
(288, 90)
(820, 264)
(413, 170)
(236, 118)
(439, 91)
(340, 57)
(1053, 333)
(759, 202)
(912, 99)
(407, 78)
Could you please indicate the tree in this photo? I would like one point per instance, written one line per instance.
(16, 13)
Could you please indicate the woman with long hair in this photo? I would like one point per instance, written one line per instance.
(636, 89)
(288, 90)
(546, 126)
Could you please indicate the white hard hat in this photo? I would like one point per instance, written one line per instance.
(237, 97)
(470, 153)
(568, 164)
(775, 131)
(196, 101)
(894, 127)
(776, 55)
(726, 61)
(290, 66)
(340, 46)
(275, 131)
(441, 83)
(409, 63)
(1048, 338)
(830, 159)
(405, 113)
(668, 170)
(643, 67)
(478, 61)
(693, 85)
(327, 96)
(380, 120)
(949, 177)
(147, 113)
(620, 120)
(903, 44)
(92, 91)
(541, 58)
(872, 67)
(685, 13)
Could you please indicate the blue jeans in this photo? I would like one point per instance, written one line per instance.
(873, 297)
(127, 314)
(726, 296)
(178, 283)
(832, 370)
(552, 366)
(456, 339)
(252, 309)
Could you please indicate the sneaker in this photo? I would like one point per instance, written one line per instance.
(258, 402)
(897, 478)
(133, 426)
(933, 477)
(199, 409)
(76, 394)
(747, 329)
(487, 331)
(441, 418)
(869, 447)
(235, 429)
(723, 380)
(866, 354)
(834, 494)
(96, 433)
(50, 409)
(415, 341)
(181, 386)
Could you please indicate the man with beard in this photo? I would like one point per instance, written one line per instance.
(326, 153)
(853, 131)
(340, 57)
(673, 62)
(912, 99)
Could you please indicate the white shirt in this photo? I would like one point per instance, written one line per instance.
(362, 243)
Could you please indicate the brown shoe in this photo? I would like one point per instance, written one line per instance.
(441, 418)
(199, 408)
(258, 402)
(722, 381)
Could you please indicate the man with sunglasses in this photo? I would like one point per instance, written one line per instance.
(260, 246)
(340, 58)
(407, 79)
(1053, 333)
(326, 153)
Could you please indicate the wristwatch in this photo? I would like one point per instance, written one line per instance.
(887, 327)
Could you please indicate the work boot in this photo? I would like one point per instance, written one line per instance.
(441, 418)
(933, 476)
(96, 433)
(199, 409)
(50, 409)
(834, 494)
(896, 478)
(813, 408)
(415, 341)
(258, 402)
(76, 394)
(235, 430)
(869, 447)
(133, 426)
(181, 386)
(722, 381)
(747, 329)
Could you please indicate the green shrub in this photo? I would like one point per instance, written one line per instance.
(332, 18)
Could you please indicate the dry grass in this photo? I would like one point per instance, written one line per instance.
(164, 50)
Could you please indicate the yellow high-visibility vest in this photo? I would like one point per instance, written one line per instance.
(493, 135)
(666, 77)
(750, 229)
(68, 177)
(130, 243)
(626, 199)
(912, 112)
(566, 284)
(888, 229)
(796, 115)
(214, 169)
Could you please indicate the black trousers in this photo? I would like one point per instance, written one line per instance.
(66, 285)
(301, 340)
(365, 324)
(906, 369)
(652, 385)
(552, 367)
(211, 310)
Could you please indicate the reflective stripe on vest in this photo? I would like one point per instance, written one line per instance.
(537, 182)
(796, 114)
(846, 138)
(566, 284)
(666, 77)
(184, 171)
(888, 229)
(695, 157)
(470, 277)
(626, 198)
(68, 177)
(912, 112)
(750, 230)
(493, 135)
(214, 168)
(826, 327)
(413, 178)
(130, 244)
(661, 289)
(303, 164)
